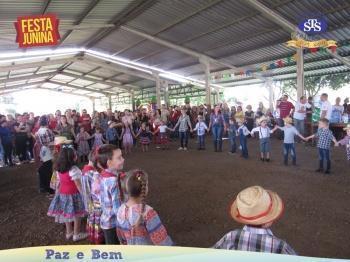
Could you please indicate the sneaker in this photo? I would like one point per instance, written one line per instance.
(180, 148)
(267, 159)
(80, 236)
(262, 159)
(185, 148)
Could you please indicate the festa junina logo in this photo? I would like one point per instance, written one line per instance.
(313, 25)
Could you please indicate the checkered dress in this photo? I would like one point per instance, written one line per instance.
(254, 239)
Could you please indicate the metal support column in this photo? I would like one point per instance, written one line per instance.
(166, 94)
(93, 104)
(110, 102)
(300, 73)
(269, 85)
(158, 90)
(132, 98)
(206, 65)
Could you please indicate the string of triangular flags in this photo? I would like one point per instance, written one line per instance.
(320, 47)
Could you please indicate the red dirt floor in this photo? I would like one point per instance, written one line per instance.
(191, 192)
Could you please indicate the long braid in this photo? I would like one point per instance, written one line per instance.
(137, 187)
(143, 197)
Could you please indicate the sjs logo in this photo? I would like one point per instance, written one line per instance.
(313, 26)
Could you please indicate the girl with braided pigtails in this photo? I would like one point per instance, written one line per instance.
(138, 223)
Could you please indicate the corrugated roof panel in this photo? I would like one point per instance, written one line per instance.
(116, 41)
(67, 9)
(165, 12)
(81, 66)
(105, 10)
(81, 82)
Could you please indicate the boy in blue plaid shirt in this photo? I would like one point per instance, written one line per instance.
(325, 138)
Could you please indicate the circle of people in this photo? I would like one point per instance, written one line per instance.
(114, 202)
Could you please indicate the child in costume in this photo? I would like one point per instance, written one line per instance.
(138, 223)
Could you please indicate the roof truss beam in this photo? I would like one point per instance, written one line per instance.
(38, 64)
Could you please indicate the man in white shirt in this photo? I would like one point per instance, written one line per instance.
(300, 114)
(326, 107)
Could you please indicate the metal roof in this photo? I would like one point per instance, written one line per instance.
(108, 59)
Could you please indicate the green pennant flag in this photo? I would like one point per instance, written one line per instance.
(316, 114)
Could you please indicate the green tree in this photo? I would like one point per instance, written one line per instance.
(314, 84)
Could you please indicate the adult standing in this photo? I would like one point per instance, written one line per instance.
(326, 107)
(85, 121)
(65, 129)
(21, 136)
(285, 109)
(184, 124)
(44, 140)
(249, 117)
(217, 125)
(345, 105)
(337, 111)
(300, 114)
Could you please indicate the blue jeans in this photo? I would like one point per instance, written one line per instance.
(233, 143)
(289, 147)
(323, 155)
(201, 142)
(183, 138)
(300, 126)
(217, 137)
(244, 147)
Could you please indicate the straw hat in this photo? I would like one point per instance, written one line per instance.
(261, 119)
(288, 120)
(60, 140)
(256, 206)
(347, 127)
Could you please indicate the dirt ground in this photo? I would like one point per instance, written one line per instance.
(191, 192)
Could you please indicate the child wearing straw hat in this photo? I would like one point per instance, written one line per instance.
(346, 141)
(264, 137)
(256, 208)
(288, 141)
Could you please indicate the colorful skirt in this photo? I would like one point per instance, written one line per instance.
(64, 208)
(163, 138)
(93, 227)
(145, 140)
(83, 148)
(127, 139)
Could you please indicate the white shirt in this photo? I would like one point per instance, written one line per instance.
(264, 132)
(245, 130)
(327, 106)
(201, 127)
(300, 106)
(162, 129)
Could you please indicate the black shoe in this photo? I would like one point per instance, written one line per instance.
(327, 172)
(267, 159)
(320, 170)
(262, 159)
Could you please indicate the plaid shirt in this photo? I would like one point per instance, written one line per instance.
(44, 136)
(325, 137)
(184, 122)
(110, 199)
(254, 239)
